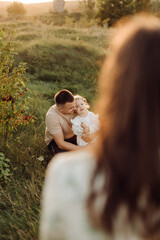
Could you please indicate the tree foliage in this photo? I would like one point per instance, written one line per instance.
(143, 5)
(16, 9)
(156, 7)
(109, 11)
(88, 8)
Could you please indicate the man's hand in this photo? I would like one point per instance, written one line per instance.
(86, 129)
(89, 137)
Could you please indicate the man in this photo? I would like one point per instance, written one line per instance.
(59, 135)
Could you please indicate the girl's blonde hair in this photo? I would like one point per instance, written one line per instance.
(78, 97)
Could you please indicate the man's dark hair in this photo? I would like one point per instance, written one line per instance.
(63, 97)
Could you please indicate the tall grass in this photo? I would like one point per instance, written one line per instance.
(57, 58)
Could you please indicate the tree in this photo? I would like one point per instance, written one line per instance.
(58, 6)
(109, 11)
(88, 8)
(143, 5)
(16, 9)
(156, 7)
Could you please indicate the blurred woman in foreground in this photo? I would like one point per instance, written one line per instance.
(113, 190)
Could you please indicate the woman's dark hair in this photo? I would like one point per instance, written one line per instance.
(63, 97)
(128, 151)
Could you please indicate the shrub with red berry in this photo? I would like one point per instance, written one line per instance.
(13, 93)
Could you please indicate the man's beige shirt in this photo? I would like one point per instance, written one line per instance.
(57, 122)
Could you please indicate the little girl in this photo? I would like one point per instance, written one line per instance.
(85, 122)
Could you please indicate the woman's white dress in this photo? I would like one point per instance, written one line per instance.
(64, 213)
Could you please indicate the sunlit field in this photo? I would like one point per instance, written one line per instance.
(57, 57)
(40, 8)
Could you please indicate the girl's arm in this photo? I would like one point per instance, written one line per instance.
(86, 128)
(93, 126)
(76, 127)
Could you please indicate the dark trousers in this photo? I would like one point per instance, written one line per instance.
(52, 146)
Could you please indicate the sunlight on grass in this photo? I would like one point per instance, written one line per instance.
(57, 58)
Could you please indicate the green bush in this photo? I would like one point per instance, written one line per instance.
(110, 11)
(16, 9)
(13, 106)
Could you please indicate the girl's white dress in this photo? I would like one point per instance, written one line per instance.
(91, 121)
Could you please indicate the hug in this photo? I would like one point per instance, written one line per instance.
(69, 124)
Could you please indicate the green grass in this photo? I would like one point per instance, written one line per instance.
(57, 58)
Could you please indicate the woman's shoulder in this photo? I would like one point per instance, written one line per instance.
(74, 159)
(72, 170)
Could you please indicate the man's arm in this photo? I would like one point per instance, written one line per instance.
(62, 144)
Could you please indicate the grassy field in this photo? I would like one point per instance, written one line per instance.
(57, 58)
